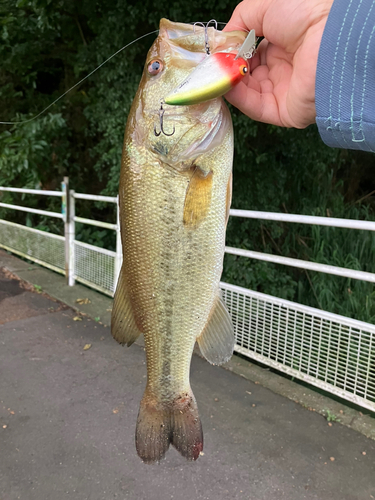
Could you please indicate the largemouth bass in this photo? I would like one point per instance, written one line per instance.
(175, 194)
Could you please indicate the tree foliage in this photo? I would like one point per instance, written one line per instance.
(46, 47)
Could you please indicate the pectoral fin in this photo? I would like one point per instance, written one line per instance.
(228, 198)
(216, 342)
(198, 198)
(123, 326)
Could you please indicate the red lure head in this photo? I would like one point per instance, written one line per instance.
(234, 68)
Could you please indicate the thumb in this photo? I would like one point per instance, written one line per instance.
(249, 15)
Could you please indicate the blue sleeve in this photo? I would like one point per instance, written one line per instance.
(345, 80)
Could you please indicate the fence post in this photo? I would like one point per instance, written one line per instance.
(68, 211)
(71, 237)
(118, 259)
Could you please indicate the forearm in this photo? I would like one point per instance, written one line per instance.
(345, 80)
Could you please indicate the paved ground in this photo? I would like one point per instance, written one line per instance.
(67, 422)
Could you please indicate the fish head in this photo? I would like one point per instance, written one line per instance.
(179, 133)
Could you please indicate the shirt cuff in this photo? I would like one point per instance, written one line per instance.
(345, 78)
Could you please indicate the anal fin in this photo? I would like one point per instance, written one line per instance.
(216, 342)
(123, 326)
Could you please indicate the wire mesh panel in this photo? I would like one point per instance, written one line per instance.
(45, 248)
(95, 267)
(327, 350)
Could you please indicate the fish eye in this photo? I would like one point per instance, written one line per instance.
(155, 67)
(243, 69)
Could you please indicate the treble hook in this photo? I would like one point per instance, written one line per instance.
(198, 23)
(205, 26)
(161, 117)
(206, 44)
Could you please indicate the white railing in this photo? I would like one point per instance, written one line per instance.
(332, 352)
(305, 219)
(77, 260)
(304, 264)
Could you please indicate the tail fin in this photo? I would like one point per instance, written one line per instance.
(160, 425)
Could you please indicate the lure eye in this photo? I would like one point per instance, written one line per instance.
(243, 69)
(155, 67)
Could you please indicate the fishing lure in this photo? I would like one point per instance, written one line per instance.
(214, 76)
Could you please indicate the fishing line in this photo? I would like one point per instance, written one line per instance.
(87, 76)
(78, 83)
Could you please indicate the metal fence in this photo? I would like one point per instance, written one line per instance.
(91, 265)
(332, 352)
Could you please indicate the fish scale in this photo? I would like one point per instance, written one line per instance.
(174, 202)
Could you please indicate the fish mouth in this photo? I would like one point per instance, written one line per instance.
(211, 56)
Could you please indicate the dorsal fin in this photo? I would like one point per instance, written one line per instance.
(123, 326)
(216, 342)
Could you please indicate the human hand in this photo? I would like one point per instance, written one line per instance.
(280, 88)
